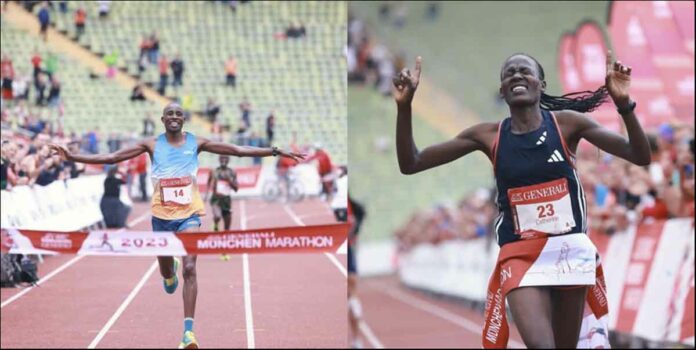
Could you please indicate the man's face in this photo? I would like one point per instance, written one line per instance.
(173, 118)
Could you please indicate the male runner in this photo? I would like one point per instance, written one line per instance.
(176, 203)
(222, 181)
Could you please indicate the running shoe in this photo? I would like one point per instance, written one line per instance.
(189, 341)
(224, 257)
(171, 288)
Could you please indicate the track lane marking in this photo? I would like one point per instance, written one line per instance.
(61, 268)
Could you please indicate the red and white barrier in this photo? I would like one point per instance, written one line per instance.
(649, 270)
(305, 239)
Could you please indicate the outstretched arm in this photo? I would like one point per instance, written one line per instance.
(636, 149)
(205, 145)
(411, 160)
(110, 158)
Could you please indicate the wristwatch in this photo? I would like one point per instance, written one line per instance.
(275, 151)
(629, 109)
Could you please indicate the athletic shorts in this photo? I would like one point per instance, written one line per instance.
(176, 225)
(352, 267)
(221, 205)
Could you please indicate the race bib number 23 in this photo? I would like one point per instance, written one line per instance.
(542, 208)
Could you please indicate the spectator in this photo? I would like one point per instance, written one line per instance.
(63, 7)
(44, 20)
(113, 142)
(139, 168)
(20, 88)
(325, 168)
(145, 46)
(111, 60)
(245, 108)
(148, 125)
(104, 8)
(153, 53)
(8, 73)
(7, 163)
(270, 127)
(137, 93)
(113, 210)
(233, 5)
(400, 16)
(40, 86)
(177, 66)
(80, 21)
(73, 169)
(212, 109)
(384, 11)
(255, 141)
(51, 64)
(93, 141)
(188, 104)
(433, 11)
(36, 63)
(295, 31)
(231, 71)
(50, 169)
(54, 92)
(164, 74)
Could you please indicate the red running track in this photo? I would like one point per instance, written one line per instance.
(295, 300)
(398, 317)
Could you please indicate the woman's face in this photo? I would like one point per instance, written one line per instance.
(519, 81)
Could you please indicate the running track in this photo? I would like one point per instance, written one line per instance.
(264, 300)
(398, 317)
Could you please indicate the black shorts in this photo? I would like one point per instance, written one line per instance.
(44, 27)
(352, 267)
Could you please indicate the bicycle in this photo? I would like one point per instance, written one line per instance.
(284, 189)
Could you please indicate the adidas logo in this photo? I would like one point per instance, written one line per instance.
(555, 157)
(542, 138)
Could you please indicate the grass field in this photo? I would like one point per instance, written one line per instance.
(462, 53)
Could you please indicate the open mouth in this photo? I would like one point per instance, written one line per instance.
(518, 88)
(174, 124)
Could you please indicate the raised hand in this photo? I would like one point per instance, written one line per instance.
(294, 156)
(405, 84)
(618, 81)
(60, 151)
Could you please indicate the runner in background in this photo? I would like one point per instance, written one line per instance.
(222, 181)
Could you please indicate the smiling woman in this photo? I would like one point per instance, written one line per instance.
(542, 224)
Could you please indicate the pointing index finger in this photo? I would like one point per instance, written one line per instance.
(610, 60)
(418, 67)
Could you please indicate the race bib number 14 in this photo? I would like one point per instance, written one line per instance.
(176, 191)
(542, 208)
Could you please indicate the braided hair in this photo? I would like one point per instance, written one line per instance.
(581, 101)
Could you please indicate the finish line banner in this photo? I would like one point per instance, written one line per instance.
(298, 239)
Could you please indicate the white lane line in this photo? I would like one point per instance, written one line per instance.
(248, 314)
(369, 335)
(440, 312)
(43, 280)
(293, 215)
(123, 306)
(251, 344)
(337, 263)
(61, 268)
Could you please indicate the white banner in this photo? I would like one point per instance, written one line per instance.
(61, 206)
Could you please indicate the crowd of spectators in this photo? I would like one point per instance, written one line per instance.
(618, 194)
